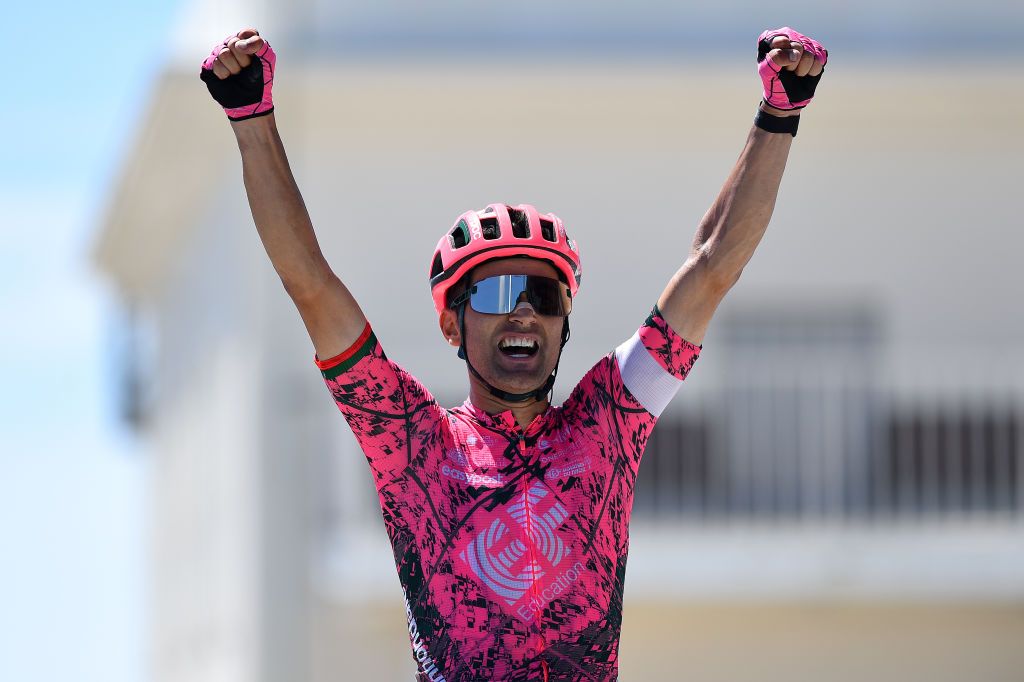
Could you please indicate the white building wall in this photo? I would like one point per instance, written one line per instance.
(207, 606)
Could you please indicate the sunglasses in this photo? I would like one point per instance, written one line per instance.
(500, 294)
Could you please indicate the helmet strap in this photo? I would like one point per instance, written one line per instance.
(539, 393)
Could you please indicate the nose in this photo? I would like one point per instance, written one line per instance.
(523, 309)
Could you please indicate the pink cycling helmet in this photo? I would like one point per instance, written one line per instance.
(502, 231)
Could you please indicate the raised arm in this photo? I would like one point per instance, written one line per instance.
(730, 231)
(239, 74)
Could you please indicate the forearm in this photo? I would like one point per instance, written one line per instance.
(790, 65)
(737, 220)
(281, 218)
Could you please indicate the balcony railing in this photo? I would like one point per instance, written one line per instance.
(819, 455)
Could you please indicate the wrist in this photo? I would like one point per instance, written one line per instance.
(251, 131)
(772, 111)
(771, 123)
(261, 121)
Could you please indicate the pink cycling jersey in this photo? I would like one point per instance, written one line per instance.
(510, 544)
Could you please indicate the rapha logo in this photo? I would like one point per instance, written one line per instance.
(518, 553)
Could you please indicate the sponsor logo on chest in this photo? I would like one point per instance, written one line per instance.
(519, 552)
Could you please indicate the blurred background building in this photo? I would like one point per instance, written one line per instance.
(835, 494)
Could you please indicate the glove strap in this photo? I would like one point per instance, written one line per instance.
(776, 124)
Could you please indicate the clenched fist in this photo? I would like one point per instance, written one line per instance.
(240, 75)
(790, 65)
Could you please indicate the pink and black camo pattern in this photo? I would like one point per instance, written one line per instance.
(510, 545)
(675, 354)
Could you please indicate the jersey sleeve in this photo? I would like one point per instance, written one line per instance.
(621, 397)
(394, 418)
(654, 362)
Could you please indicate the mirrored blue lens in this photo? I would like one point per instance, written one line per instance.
(499, 295)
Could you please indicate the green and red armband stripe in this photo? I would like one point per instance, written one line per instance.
(341, 362)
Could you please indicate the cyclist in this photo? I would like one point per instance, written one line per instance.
(509, 516)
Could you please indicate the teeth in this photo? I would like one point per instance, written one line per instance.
(517, 341)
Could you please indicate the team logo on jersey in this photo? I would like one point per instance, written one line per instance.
(519, 553)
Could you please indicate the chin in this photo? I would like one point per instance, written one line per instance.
(516, 380)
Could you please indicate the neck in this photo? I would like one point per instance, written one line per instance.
(524, 412)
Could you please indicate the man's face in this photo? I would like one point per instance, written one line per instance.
(512, 368)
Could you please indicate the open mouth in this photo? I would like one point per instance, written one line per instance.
(518, 347)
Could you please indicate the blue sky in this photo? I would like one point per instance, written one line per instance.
(72, 483)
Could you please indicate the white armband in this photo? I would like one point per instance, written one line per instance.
(648, 381)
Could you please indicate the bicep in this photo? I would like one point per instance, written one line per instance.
(691, 298)
(332, 317)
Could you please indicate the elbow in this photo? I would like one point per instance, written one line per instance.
(719, 275)
(301, 289)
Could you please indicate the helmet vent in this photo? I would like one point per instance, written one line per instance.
(520, 223)
(547, 230)
(460, 235)
(437, 266)
(489, 228)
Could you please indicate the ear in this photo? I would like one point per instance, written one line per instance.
(449, 324)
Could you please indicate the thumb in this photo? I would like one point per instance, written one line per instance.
(250, 45)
